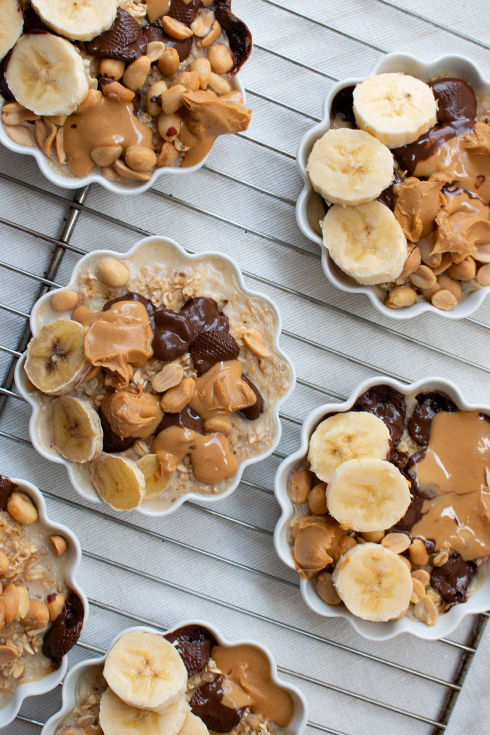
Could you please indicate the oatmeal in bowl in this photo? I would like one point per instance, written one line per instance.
(199, 682)
(385, 509)
(42, 608)
(118, 92)
(155, 376)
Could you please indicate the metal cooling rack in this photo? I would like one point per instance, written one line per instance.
(297, 636)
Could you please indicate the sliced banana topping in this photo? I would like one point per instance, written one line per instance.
(367, 495)
(193, 726)
(55, 360)
(118, 480)
(395, 108)
(349, 167)
(76, 429)
(11, 25)
(365, 241)
(118, 718)
(155, 480)
(78, 21)
(46, 74)
(146, 672)
(373, 582)
(345, 436)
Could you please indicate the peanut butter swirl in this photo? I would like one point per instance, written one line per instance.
(221, 391)
(129, 414)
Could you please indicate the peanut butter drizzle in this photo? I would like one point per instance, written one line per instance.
(221, 391)
(210, 454)
(118, 338)
(249, 669)
(132, 415)
(110, 122)
(205, 117)
(452, 475)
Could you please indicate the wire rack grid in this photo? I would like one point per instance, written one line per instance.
(219, 563)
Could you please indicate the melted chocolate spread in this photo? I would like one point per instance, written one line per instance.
(205, 316)
(239, 36)
(453, 578)
(113, 443)
(388, 405)
(172, 334)
(183, 12)
(123, 41)
(7, 487)
(206, 704)
(343, 105)
(194, 646)
(455, 98)
(408, 156)
(253, 412)
(186, 419)
(388, 196)
(428, 404)
(65, 631)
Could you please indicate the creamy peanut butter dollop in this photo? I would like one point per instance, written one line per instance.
(221, 391)
(416, 207)
(318, 541)
(249, 670)
(452, 475)
(463, 223)
(129, 414)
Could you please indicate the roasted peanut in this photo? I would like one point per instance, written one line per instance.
(12, 601)
(8, 654)
(212, 36)
(406, 561)
(449, 284)
(400, 297)
(45, 132)
(219, 84)
(172, 99)
(55, 604)
(20, 134)
(169, 126)
(109, 173)
(111, 87)
(428, 293)
(104, 155)
(256, 343)
(220, 59)
(418, 553)
(112, 272)
(153, 97)
(156, 8)
(218, 424)
(317, 499)
(175, 28)
(155, 50)
(426, 611)
(422, 575)
(14, 113)
(59, 145)
(410, 265)
(167, 378)
(140, 158)
(37, 615)
(59, 543)
(64, 300)
(128, 173)
(443, 265)
(92, 373)
(202, 24)
(425, 247)
(396, 542)
(23, 602)
(4, 563)
(112, 68)
(440, 559)
(418, 590)
(94, 96)
(374, 537)
(423, 277)
(325, 589)
(22, 509)
(177, 398)
(300, 486)
(203, 68)
(188, 79)
(169, 62)
(464, 271)
(168, 155)
(444, 300)
(135, 75)
(483, 275)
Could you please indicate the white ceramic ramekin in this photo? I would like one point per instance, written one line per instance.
(295, 727)
(60, 176)
(173, 255)
(477, 603)
(33, 689)
(458, 66)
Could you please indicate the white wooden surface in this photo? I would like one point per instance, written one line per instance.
(350, 340)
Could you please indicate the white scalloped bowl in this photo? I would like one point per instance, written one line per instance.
(295, 727)
(459, 66)
(66, 180)
(173, 255)
(33, 689)
(479, 602)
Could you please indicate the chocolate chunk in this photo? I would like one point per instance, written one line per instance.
(194, 646)
(343, 106)
(428, 404)
(388, 195)
(112, 442)
(211, 347)
(206, 704)
(65, 631)
(411, 517)
(7, 487)
(186, 419)
(124, 41)
(184, 12)
(153, 32)
(172, 334)
(239, 36)
(455, 98)
(388, 405)
(132, 296)
(205, 316)
(253, 412)
(424, 147)
(453, 578)
(399, 459)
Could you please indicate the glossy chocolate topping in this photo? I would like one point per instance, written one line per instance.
(408, 156)
(239, 36)
(7, 487)
(388, 405)
(153, 32)
(184, 12)
(172, 334)
(206, 704)
(342, 106)
(112, 442)
(65, 631)
(428, 404)
(124, 41)
(388, 196)
(253, 412)
(205, 316)
(186, 419)
(411, 517)
(453, 578)
(455, 98)
(194, 646)
(208, 348)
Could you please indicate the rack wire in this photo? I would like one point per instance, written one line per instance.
(294, 633)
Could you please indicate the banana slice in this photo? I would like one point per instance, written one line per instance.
(349, 167)
(365, 241)
(117, 718)
(146, 672)
(118, 480)
(373, 582)
(193, 726)
(79, 21)
(46, 74)
(367, 495)
(395, 108)
(55, 360)
(76, 429)
(155, 483)
(350, 435)
(11, 26)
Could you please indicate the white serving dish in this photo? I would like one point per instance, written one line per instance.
(479, 602)
(63, 178)
(174, 255)
(295, 727)
(458, 66)
(74, 551)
